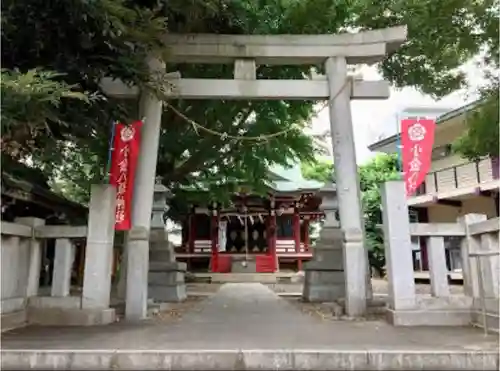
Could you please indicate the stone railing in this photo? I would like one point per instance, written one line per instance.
(21, 260)
(480, 261)
(24, 301)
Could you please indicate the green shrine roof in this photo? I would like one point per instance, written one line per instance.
(281, 179)
(290, 179)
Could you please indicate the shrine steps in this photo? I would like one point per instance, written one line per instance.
(246, 277)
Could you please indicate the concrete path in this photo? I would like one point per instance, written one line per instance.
(245, 325)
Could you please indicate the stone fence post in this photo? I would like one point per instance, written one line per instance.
(35, 259)
(99, 251)
(469, 243)
(398, 249)
(63, 264)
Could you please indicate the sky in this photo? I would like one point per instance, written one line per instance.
(376, 119)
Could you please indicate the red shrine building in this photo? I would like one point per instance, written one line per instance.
(258, 233)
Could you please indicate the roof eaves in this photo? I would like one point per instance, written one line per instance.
(443, 118)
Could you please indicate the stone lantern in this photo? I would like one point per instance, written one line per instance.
(166, 281)
(329, 205)
(324, 279)
(160, 196)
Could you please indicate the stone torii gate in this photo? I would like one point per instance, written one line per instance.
(336, 52)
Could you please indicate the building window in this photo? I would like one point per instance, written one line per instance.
(441, 152)
(413, 216)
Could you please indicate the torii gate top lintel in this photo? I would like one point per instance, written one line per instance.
(248, 51)
(361, 47)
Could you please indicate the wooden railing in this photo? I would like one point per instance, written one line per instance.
(459, 176)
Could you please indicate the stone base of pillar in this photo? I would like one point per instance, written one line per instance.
(324, 279)
(166, 282)
(322, 283)
(70, 317)
(166, 278)
(436, 311)
(66, 311)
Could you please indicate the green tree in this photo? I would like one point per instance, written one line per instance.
(86, 40)
(321, 171)
(32, 97)
(372, 175)
(481, 137)
(380, 169)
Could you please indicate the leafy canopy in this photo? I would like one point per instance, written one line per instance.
(481, 137)
(35, 97)
(86, 40)
(321, 171)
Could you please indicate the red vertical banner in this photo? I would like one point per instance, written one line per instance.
(417, 139)
(123, 165)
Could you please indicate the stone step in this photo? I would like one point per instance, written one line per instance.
(13, 320)
(254, 359)
(243, 277)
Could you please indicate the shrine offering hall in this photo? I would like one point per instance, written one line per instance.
(256, 233)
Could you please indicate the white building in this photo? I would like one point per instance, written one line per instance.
(454, 186)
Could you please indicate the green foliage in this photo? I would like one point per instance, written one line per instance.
(321, 171)
(86, 40)
(481, 137)
(29, 101)
(372, 174)
(482, 133)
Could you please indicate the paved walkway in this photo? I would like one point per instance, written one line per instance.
(249, 316)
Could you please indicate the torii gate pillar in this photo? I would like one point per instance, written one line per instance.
(137, 244)
(347, 181)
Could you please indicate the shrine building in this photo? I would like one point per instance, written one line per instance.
(255, 234)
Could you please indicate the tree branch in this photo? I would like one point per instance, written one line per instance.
(196, 159)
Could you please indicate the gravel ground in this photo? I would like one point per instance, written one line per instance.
(322, 311)
(176, 311)
(334, 311)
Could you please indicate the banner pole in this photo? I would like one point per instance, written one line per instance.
(110, 151)
(399, 147)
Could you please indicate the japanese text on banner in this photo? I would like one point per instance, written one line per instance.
(417, 139)
(123, 165)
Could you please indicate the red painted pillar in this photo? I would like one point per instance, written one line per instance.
(306, 234)
(296, 237)
(272, 240)
(268, 235)
(296, 231)
(214, 227)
